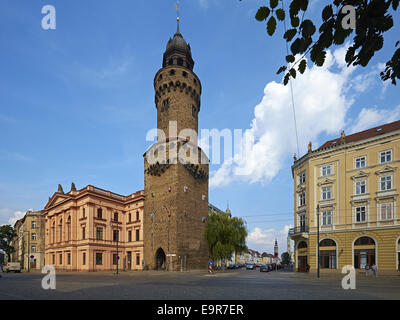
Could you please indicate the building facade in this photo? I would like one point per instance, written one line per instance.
(354, 182)
(176, 169)
(29, 244)
(94, 230)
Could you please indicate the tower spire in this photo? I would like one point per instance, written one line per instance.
(177, 16)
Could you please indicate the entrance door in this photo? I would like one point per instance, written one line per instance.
(129, 260)
(302, 263)
(160, 259)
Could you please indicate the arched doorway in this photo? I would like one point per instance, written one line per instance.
(160, 259)
(302, 256)
(364, 252)
(327, 254)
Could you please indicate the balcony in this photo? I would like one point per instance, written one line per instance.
(299, 231)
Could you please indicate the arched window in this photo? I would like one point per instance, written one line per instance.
(170, 62)
(61, 230)
(172, 72)
(180, 62)
(302, 245)
(115, 216)
(364, 241)
(362, 256)
(327, 243)
(69, 228)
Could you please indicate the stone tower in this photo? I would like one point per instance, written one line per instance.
(276, 252)
(176, 169)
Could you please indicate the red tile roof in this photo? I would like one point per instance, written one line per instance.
(366, 134)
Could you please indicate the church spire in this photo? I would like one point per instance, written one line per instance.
(177, 16)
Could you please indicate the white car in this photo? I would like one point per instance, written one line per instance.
(12, 266)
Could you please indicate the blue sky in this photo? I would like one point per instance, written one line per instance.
(76, 102)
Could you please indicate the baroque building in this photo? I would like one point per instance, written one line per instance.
(352, 184)
(94, 230)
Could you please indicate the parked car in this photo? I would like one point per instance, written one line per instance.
(12, 266)
(265, 268)
(250, 266)
(232, 266)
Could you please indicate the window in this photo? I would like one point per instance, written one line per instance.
(302, 245)
(364, 241)
(115, 216)
(326, 193)
(385, 156)
(360, 214)
(129, 235)
(99, 213)
(115, 235)
(137, 216)
(193, 111)
(184, 73)
(361, 187)
(137, 235)
(326, 170)
(327, 243)
(84, 258)
(68, 258)
(172, 72)
(99, 233)
(99, 258)
(360, 163)
(386, 183)
(83, 233)
(138, 259)
(326, 218)
(33, 224)
(302, 199)
(33, 236)
(115, 259)
(180, 62)
(130, 217)
(33, 249)
(54, 259)
(60, 258)
(302, 177)
(327, 259)
(386, 211)
(83, 213)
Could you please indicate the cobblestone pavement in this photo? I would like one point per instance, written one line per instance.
(233, 285)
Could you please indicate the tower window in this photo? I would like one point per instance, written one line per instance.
(172, 72)
(180, 62)
(170, 62)
(160, 77)
(195, 81)
(184, 73)
(193, 111)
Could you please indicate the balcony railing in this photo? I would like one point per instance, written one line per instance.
(297, 230)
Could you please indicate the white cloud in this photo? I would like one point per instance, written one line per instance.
(372, 117)
(16, 215)
(264, 239)
(321, 105)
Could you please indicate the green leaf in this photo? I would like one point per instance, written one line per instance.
(271, 25)
(302, 66)
(273, 3)
(327, 12)
(280, 14)
(295, 21)
(290, 58)
(308, 28)
(281, 69)
(289, 34)
(293, 73)
(286, 79)
(262, 13)
(303, 4)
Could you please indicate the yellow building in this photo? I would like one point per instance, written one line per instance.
(29, 243)
(94, 229)
(354, 180)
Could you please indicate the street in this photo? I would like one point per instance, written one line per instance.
(233, 285)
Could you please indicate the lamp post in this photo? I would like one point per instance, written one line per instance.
(317, 241)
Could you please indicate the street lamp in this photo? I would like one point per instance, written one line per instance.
(117, 238)
(317, 241)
